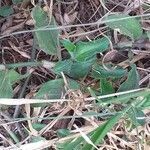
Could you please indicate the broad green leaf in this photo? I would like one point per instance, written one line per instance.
(7, 79)
(63, 132)
(86, 50)
(80, 69)
(73, 69)
(106, 87)
(6, 90)
(146, 102)
(102, 130)
(38, 126)
(63, 66)
(72, 84)
(69, 46)
(5, 11)
(47, 39)
(99, 72)
(133, 114)
(132, 82)
(52, 89)
(14, 76)
(125, 24)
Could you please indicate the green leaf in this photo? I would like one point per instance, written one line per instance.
(134, 114)
(69, 46)
(14, 76)
(51, 90)
(6, 90)
(54, 89)
(63, 132)
(7, 79)
(72, 84)
(126, 25)
(80, 69)
(5, 11)
(99, 72)
(38, 126)
(146, 102)
(106, 87)
(86, 50)
(72, 68)
(132, 82)
(63, 66)
(47, 39)
(102, 130)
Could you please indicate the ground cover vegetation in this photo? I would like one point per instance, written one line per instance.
(75, 74)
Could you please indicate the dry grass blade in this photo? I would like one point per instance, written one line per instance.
(34, 146)
(5, 101)
(29, 101)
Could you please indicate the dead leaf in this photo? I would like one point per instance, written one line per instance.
(30, 42)
(30, 22)
(6, 25)
(25, 4)
(134, 5)
(24, 54)
(14, 28)
(70, 18)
